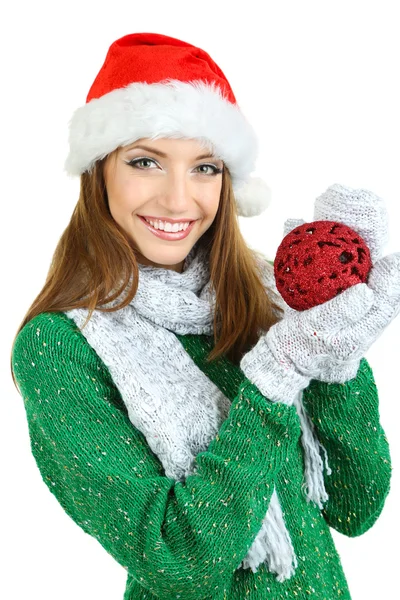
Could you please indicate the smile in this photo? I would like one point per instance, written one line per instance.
(168, 235)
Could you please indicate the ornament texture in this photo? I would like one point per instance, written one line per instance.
(317, 261)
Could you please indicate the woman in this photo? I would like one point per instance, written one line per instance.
(182, 415)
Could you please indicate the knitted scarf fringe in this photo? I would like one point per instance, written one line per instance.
(313, 486)
(273, 544)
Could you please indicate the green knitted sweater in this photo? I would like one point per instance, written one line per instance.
(185, 539)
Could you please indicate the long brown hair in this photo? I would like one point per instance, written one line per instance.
(94, 254)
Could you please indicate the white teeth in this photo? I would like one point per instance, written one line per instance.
(164, 226)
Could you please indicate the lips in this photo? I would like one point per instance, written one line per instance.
(168, 235)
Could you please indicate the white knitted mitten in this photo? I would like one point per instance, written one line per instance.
(365, 213)
(327, 342)
(360, 209)
(297, 348)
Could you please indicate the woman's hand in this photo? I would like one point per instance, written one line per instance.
(360, 209)
(366, 213)
(325, 342)
(345, 327)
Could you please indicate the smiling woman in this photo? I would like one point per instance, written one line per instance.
(161, 375)
(164, 197)
(162, 142)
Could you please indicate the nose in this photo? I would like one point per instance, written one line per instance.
(177, 196)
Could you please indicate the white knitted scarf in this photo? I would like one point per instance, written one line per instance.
(172, 402)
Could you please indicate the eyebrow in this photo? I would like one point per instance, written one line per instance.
(162, 154)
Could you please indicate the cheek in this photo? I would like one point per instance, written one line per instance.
(126, 195)
(211, 199)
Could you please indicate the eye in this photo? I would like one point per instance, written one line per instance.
(136, 161)
(144, 163)
(215, 170)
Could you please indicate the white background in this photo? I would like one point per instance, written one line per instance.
(319, 82)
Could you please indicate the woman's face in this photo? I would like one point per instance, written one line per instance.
(163, 180)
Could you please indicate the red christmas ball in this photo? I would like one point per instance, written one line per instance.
(318, 260)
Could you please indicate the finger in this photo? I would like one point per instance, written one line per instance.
(289, 311)
(384, 277)
(291, 224)
(342, 310)
(385, 280)
(355, 341)
(360, 209)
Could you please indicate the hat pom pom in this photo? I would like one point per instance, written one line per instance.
(253, 197)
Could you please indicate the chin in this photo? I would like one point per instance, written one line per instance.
(166, 258)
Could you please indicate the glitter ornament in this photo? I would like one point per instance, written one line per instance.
(316, 261)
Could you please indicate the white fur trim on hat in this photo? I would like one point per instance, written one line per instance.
(253, 197)
(172, 109)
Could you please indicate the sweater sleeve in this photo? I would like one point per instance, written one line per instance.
(174, 538)
(346, 419)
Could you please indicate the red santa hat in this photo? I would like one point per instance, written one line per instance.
(154, 86)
